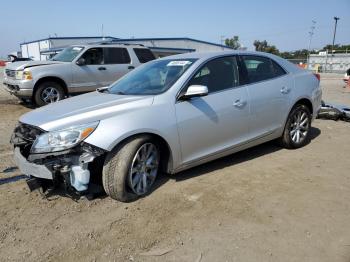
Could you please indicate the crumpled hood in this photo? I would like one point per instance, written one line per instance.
(83, 109)
(20, 65)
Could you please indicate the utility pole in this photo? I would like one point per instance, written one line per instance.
(335, 31)
(311, 33)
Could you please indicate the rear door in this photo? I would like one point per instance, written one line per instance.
(213, 123)
(269, 88)
(117, 62)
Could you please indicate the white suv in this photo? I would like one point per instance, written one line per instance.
(76, 69)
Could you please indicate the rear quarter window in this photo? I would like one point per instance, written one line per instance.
(144, 55)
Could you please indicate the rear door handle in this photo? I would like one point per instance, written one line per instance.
(131, 67)
(239, 103)
(101, 68)
(285, 90)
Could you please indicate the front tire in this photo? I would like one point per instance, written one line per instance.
(48, 92)
(130, 170)
(296, 132)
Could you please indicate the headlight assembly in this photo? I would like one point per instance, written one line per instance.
(23, 75)
(19, 74)
(62, 139)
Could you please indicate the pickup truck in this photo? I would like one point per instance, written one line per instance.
(76, 69)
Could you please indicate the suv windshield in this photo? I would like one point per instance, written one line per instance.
(68, 54)
(152, 78)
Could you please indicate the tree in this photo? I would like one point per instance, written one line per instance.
(233, 42)
(263, 46)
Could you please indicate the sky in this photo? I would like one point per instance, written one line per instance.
(284, 24)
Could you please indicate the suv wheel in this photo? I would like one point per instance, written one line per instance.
(296, 133)
(130, 171)
(47, 93)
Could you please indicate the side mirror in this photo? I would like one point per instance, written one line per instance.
(81, 61)
(195, 91)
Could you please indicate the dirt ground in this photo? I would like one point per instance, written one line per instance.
(262, 204)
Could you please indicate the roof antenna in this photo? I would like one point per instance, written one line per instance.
(103, 37)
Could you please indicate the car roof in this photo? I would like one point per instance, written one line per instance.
(202, 56)
(205, 55)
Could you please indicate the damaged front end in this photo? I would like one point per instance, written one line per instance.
(71, 168)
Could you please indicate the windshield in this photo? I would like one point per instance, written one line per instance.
(153, 78)
(68, 54)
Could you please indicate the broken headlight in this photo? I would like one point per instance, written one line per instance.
(62, 139)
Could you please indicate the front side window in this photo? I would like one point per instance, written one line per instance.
(218, 74)
(116, 55)
(144, 55)
(93, 56)
(261, 68)
(68, 54)
(152, 78)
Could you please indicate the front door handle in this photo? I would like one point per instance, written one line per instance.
(131, 67)
(239, 103)
(102, 68)
(285, 90)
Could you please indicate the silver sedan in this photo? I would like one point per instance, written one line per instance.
(168, 115)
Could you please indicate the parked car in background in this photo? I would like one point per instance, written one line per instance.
(168, 115)
(13, 58)
(76, 69)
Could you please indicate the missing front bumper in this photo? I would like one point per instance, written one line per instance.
(70, 168)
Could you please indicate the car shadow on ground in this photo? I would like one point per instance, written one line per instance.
(233, 159)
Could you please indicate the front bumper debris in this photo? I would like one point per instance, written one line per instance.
(31, 169)
(334, 112)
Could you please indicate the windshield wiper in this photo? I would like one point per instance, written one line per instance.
(119, 93)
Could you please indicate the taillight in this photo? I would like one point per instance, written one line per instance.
(317, 76)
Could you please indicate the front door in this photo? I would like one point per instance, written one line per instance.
(216, 122)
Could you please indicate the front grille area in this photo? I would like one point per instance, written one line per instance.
(10, 73)
(24, 136)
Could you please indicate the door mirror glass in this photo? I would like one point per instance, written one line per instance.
(195, 91)
(81, 61)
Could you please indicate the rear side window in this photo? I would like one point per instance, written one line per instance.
(144, 55)
(218, 74)
(261, 68)
(116, 55)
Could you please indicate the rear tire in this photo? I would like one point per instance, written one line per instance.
(296, 132)
(48, 92)
(122, 168)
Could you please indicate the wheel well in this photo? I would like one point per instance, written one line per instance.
(307, 103)
(165, 151)
(51, 79)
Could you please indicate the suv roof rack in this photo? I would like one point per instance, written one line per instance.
(111, 42)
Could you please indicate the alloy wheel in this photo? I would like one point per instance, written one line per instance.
(300, 126)
(144, 169)
(50, 95)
